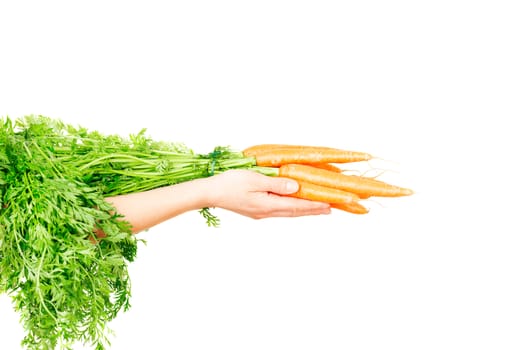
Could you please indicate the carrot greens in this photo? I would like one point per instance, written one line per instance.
(54, 179)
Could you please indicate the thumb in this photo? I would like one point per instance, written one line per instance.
(282, 186)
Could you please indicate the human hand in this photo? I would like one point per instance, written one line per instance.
(259, 196)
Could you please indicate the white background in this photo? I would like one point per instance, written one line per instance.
(436, 88)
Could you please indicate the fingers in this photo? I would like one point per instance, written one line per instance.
(281, 205)
(290, 207)
(281, 185)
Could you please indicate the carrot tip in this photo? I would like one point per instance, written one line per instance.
(408, 192)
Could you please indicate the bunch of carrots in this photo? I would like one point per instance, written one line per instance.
(54, 178)
(316, 170)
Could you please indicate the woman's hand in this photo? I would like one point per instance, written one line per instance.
(259, 196)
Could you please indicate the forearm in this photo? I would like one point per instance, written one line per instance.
(146, 209)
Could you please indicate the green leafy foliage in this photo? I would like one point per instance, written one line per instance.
(66, 282)
(65, 287)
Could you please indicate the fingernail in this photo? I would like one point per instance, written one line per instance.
(291, 187)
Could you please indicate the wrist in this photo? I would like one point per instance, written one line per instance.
(205, 194)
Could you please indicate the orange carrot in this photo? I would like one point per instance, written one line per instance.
(267, 147)
(251, 151)
(353, 207)
(324, 194)
(327, 166)
(306, 155)
(362, 186)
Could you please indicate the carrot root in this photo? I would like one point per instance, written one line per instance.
(362, 186)
(324, 194)
(353, 207)
(279, 157)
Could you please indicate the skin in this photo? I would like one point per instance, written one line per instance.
(241, 191)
